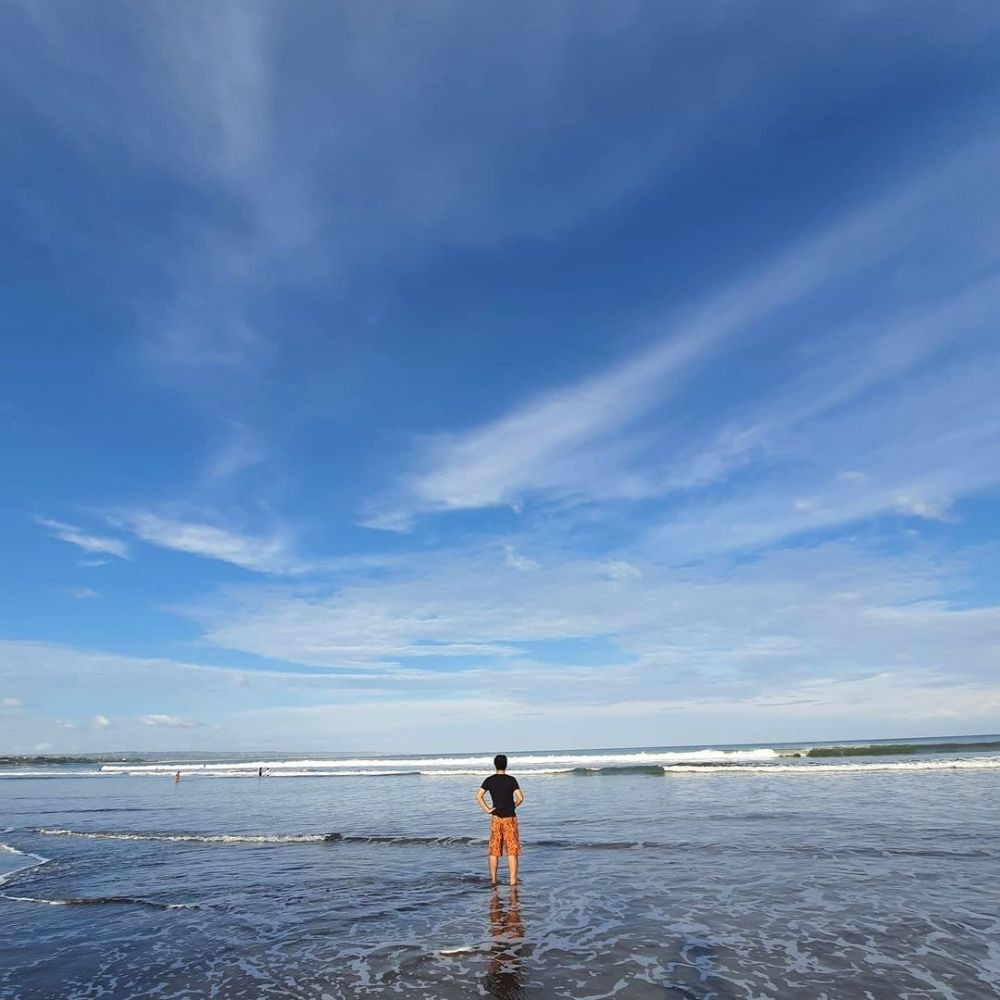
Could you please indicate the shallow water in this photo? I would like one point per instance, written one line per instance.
(708, 884)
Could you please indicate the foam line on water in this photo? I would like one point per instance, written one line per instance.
(36, 862)
(4, 774)
(338, 840)
(103, 901)
(256, 838)
(194, 838)
(394, 839)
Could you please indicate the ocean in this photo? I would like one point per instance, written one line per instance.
(812, 871)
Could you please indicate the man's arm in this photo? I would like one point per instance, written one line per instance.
(518, 796)
(481, 801)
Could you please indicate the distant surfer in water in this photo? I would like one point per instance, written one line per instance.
(506, 796)
(177, 777)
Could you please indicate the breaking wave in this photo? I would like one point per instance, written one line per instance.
(760, 761)
(898, 749)
(428, 766)
(858, 767)
(947, 754)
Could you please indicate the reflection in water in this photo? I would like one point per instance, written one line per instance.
(505, 978)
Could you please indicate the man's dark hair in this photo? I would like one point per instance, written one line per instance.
(500, 762)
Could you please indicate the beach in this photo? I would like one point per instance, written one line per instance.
(759, 871)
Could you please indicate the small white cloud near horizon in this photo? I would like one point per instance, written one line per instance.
(853, 476)
(83, 593)
(170, 721)
(12, 703)
(99, 722)
(76, 536)
(620, 570)
(928, 510)
(522, 564)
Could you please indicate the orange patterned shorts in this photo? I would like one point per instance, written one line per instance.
(503, 837)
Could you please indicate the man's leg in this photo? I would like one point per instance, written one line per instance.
(493, 859)
(512, 842)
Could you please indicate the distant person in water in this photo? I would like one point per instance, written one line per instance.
(506, 796)
(177, 777)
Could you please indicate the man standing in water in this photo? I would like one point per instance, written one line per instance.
(505, 794)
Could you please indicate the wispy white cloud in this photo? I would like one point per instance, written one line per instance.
(858, 420)
(196, 110)
(84, 540)
(241, 450)
(920, 453)
(586, 441)
(10, 702)
(801, 644)
(644, 627)
(83, 593)
(160, 720)
(258, 553)
(820, 709)
(220, 97)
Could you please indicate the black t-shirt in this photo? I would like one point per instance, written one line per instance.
(501, 788)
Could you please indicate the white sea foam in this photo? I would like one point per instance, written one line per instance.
(103, 901)
(231, 772)
(535, 772)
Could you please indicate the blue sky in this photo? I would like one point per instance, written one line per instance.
(448, 376)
